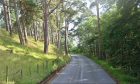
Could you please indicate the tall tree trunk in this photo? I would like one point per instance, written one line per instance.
(35, 31)
(25, 32)
(39, 32)
(20, 34)
(95, 48)
(5, 15)
(9, 18)
(46, 30)
(59, 40)
(66, 37)
(52, 36)
(58, 31)
(56, 37)
(99, 31)
(32, 30)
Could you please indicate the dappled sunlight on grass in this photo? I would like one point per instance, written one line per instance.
(3, 48)
(10, 82)
(26, 58)
(34, 49)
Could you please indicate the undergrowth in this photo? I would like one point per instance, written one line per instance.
(118, 74)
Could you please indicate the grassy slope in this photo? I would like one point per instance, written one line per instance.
(117, 73)
(30, 59)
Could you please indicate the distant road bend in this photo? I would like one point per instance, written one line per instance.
(82, 70)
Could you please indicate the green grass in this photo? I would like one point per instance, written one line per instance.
(26, 64)
(118, 74)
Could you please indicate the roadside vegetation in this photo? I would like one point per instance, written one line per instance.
(119, 75)
(26, 64)
(113, 37)
(34, 38)
(36, 34)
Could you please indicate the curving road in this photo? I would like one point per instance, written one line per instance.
(82, 70)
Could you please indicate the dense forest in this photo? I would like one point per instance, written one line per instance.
(30, 18)
(113, 35)
(106, 29)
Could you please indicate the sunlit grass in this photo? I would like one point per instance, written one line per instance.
(28, 59)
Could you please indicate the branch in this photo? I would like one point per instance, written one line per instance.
(55, 7)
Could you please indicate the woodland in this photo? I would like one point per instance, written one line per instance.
(43, 33)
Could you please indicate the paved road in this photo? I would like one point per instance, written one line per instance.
(82, 70)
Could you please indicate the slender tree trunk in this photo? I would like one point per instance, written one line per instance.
(32, 30)
(9, 18)
(18, 24)
(95, 48)
(46, 30)
(66, 38)
(35, 30)
(60, 23)
(28, 31)
(58, 31)
(56, 37)
(99, 31)
(5, 15)
(59, 40)
(52, 36)
(25, 33)
(39, 32)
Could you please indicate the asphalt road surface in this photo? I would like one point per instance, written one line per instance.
(82, 70)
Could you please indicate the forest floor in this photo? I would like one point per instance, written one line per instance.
(26, 64)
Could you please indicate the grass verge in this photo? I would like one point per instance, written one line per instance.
(118, 74)
(26, 64)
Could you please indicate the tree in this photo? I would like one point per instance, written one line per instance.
(120, 35)
(46, 17)
(96, 3)
(46, 30)
(20, 34)
(7, 17)
(70, 10)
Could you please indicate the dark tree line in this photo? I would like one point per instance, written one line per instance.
(119, 34)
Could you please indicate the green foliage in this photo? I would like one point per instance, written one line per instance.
(117, 73)
(27, 58)
(30, 11)
(120, 36)
(87, 33)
